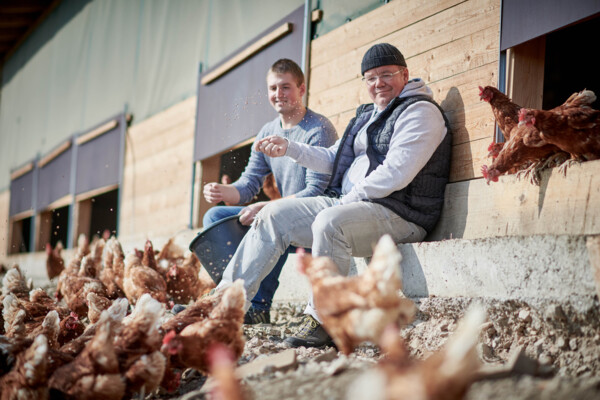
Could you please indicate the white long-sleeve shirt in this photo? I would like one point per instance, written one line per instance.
(417, 133)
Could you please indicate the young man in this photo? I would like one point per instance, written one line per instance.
(285, 86)
(388, 175)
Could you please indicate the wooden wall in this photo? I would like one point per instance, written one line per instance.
(157, 177)
(454, 46)
(451, 44)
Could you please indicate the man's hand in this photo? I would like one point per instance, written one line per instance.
(248, 213)
(273, 146)
(216, 192)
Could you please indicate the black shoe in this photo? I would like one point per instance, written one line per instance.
(255, 316)
(310, 334)
(177, 308)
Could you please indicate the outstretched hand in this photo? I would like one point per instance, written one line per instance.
(217, 192)
(273, 146)
(247, 214)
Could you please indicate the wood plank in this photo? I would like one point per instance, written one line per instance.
(248, 52)
(62, 202)
(86, 137)
(560, 205)
(54, 153)
(21, 171)
(371, 26)
(83, 219)
(43, 230)
(468, 158)
(438, 31)
(209, 173)
(22, 215)
(525, 73)
(348, 96)
(457, 57)
(95, 192)
(458, 95)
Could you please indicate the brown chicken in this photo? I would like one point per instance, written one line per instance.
(96, 304)
(445, 375)
(138, 346)
(170, 251)
(115, 313)
(195, 312)
(70, 328)
(9, 350)
(357, 309)
(14, 317)
(516, 154)
(74, 289)
(575, 130)
(140, 279)
(83, 249)
(505, 112)
(91, 264)
(94, 373)
(50, 328)
(223, 325)
(270, 188)
(526, 147)
(55, 264)
(28, 379)
(14, 282)
(113, 263)
(222, 370)
(184, 283)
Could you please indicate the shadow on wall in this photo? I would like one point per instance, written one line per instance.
(462, 158)
(414, 283)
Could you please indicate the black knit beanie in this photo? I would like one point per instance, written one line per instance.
(381, 54)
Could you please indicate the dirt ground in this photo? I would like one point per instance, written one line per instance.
(561, 343)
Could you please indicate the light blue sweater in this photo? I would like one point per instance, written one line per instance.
(291, 178)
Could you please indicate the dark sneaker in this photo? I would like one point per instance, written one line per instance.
(177, 308)
(255, 316)
(310, 334)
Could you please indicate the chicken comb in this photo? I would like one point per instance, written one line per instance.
(522, 114)
(168, 337)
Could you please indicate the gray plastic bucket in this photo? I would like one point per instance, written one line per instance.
(215, 245)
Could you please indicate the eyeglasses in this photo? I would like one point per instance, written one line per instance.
(384, 77)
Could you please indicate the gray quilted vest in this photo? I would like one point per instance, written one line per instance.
(422, 200)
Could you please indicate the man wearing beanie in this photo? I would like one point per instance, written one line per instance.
(388, 175)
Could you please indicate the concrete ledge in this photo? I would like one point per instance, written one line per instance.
(542, 267)
(538, 267)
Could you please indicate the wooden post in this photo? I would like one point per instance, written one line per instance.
(210, 173)
(43, 228)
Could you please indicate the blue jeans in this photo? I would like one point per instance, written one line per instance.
(336, 231)
(264, 297)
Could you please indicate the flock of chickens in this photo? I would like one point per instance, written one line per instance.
(108, 333)
(539, 139)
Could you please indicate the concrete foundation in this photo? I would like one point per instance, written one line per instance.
(534, 268)
(542, 268)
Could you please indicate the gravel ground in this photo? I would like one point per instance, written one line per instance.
(563, 342)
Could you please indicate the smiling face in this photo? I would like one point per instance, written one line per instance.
(383, 91)
(284, 93)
